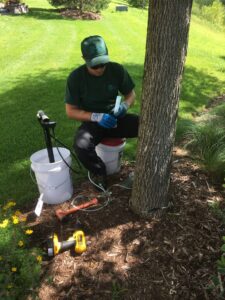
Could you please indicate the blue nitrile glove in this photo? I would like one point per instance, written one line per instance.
(122, 110)
(104, 120)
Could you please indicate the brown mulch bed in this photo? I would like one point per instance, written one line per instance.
(77, 15)
(131, 258)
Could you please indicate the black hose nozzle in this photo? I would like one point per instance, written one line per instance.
(42, 116)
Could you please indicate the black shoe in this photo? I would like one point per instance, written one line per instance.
(99, 181)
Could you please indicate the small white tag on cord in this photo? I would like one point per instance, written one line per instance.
(117, 104)
(39, 206)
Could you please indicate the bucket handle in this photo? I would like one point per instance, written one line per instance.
(44, 186)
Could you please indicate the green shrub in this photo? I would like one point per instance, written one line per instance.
(206, 140)
(214, 13)
(217, 284)
(218, 111)
(202, 3)
(138, 3)
(210, 10)
(182, 127)
(218, 211)
(14, 1)
(221, 261)
(19, 263)
(93, 5)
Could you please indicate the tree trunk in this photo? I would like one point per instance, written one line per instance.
(166, 48)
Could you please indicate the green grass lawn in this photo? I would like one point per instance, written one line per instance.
(39, 50)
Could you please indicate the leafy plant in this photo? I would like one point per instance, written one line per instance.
(218, 211)
(182, 127)
(211, 10)
(221, 261)
(138, 3)
(219, 111)
(117, 291)
(81, 5)
(206, 140)
(20, 265)
(11, 1)
(204, 2)
(214, 13)
(217, 285)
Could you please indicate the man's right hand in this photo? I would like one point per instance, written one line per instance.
(104, 120)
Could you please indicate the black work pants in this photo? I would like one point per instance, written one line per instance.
(90, 134)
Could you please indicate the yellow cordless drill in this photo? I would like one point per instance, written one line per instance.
(77, 240)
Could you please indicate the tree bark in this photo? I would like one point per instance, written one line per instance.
(166, 48)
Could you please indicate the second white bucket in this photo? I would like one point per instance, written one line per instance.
(110, 150)
(53, 179)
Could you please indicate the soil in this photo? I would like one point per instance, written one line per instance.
(77, 15)
(173, 257)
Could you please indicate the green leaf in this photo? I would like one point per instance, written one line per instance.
(221, 271)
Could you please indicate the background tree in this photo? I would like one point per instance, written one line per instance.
(204, 2)
(166, 48)
(214, 13)
(81, 5)
(138, 3)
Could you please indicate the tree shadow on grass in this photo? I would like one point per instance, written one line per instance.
(44, 13)
(197, 88)
(54, 14)
(41, 14)
(22, 135)
(196, 92)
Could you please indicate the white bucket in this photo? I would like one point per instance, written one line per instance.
(110, 151)
(53, 179)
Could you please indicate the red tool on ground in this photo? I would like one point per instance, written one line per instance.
(60, 214)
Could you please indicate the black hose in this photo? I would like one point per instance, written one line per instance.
(73, 154)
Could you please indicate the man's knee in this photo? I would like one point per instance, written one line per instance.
(82, 140)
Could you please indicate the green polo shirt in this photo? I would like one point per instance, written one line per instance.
(97, 93)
